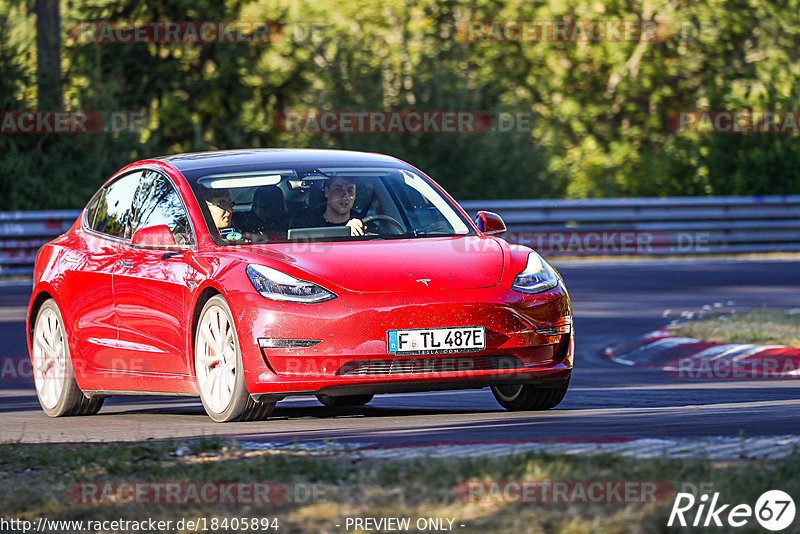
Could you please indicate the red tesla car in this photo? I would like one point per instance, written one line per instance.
(246, 276)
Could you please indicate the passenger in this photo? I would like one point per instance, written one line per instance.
(221, 207)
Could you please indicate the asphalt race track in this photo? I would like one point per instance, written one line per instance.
(612, 304)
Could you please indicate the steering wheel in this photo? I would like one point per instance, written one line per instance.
(391, 220)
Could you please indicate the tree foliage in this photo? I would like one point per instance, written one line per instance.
(600, 111)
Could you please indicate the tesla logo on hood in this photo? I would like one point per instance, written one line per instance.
(424, 280)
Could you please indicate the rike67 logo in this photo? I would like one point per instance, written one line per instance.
(774, 510)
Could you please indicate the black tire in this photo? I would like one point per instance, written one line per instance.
(71, 401)
(344, 400)
(241, 406)
(528, 397)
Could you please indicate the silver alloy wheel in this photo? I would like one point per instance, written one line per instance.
(49, 358)
(216, 359)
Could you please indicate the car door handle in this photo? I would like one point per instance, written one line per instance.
(126, 264)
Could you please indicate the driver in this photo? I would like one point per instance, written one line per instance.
(340, 193)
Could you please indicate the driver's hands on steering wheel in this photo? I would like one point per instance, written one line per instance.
(357, 227)
(375, 218)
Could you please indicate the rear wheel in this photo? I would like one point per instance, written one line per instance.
(528, 397)
(344, 400)
(56, 388)
(218, 368)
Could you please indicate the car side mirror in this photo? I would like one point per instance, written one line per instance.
(158, 236)
(490, 223)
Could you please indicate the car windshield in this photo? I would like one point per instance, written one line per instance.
(323, 204)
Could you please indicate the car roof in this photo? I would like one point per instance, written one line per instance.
(266, 156)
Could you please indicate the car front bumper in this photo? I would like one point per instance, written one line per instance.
(346, 350)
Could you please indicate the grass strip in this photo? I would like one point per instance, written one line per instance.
(759, 327)
(323, 491)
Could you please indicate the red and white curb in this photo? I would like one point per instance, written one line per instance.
(712, 448)
(694, 359)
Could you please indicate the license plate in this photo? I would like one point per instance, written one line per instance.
(436, 340)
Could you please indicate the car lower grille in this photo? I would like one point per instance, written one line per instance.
(438, 364)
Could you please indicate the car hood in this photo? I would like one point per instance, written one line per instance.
(461, 262)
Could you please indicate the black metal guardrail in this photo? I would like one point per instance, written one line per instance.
(651, 226)
(23, 232)
(612, 226)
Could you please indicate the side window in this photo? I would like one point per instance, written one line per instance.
(157, 202)
(111, 212)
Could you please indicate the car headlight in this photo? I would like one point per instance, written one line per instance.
(276, 285)
(538, 276)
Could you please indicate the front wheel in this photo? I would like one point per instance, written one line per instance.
(344, 400)
(56, 388)
(218, 368)
(529, 397)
